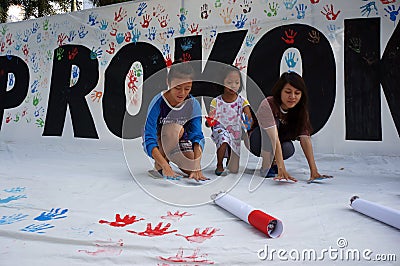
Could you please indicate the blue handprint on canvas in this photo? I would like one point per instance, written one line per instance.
(52, 215)
(14, 190)
(11, 198)
(12, 218)
(37, 228)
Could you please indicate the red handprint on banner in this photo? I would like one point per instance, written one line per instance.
(128, 36)
(240, 62)
(329, 13)
(96, 95)
(61, 38)
(122, 222)
(201, 237)
(175, 216)
(72, 54)
(386, 2)
(168, 60)
(132, 80)
(9, 40)
(186, 57)
(194, 29)
(146, 21)
(118, 17)
(114, 29)
(157, 231)
(290, 35)
(112, 48)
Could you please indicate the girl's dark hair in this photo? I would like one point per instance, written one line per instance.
(224, 72)
(180, 69)
(298, 116)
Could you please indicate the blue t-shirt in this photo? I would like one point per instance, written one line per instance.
(160, 113)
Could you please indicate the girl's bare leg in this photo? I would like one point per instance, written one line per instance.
(220, 156)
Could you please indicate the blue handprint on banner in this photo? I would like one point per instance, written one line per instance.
(103, 25)
(92, 19)
(135, 35)
(166, 49)
(12, 218)
(240, 21)
(393, 13)
(120, 38)
(301, 11)
(290, 60)
(96, 53)
(141, 8)
(52, 215)
(182, 27)
(10, 80)
(131, 23)
(289, 4)
(82, 32)
(187, 44)
(152, 34)
(250, 40)
(170, 32)
(35, 28)
(71, 35)
(366, 9)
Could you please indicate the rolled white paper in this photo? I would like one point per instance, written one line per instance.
(267, 224)
(381, 213)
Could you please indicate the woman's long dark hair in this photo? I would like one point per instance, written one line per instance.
(298, 116)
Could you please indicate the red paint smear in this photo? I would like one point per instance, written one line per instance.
(157, 231)
(198, 237)
(175, 216)
(194, 258)
(112, 249)
(121, 222)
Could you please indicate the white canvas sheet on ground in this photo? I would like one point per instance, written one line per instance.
(79, 205)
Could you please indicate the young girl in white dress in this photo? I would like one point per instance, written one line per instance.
(229, 112)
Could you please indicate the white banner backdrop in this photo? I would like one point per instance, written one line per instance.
(74, 75)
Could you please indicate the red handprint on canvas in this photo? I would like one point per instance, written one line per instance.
(201, 237)
(176, 216)
(121, 222)
(157, 231)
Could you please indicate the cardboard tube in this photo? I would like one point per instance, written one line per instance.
(265, 223)
(378, 212)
